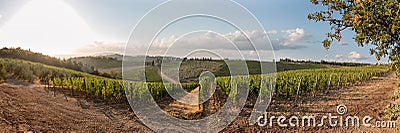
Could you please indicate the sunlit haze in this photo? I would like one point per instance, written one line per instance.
(49, 26)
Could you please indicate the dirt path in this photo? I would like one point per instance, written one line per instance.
(29, 107)
(177, 108)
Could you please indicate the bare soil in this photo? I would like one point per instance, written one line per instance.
(33, 107)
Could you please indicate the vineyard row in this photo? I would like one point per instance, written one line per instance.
(289, 83)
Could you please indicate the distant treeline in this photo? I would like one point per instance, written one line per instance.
(95, 57)
(198, 59)
(28, 55)
(325, 62)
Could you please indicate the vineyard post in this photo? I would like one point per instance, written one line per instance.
(298, 88)
(271, 85)
(276, 90)
(114, 88)
(105, 90)
(330, 79)
(236, 93)
(92, 87)
(280, 86)
(52, 80)
(130, 90)
(84, 85)
(66, 86)
(48, 83)
(338, 84)
(71, 85)
(199, 98)
(62, 83)
(287, 89)
(208, 94)
(316, 86)
(216, 96)
(54, 87)
(219, 93)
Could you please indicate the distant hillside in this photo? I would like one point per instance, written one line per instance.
(28, 55)
(100, 62)
(115, 61)
(33, 71)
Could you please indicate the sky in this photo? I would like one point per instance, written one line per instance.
(68, 28)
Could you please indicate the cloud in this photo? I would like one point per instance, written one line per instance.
(293, 36)
(339, 57)
(211, 40)
(291, 39)
(233, 41)
(277, 46)
(354, 56)
(288, 39)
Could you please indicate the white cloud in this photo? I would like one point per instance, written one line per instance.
(338, 57)
(293, 36)
(354, 56)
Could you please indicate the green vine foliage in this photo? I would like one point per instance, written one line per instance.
(288, 83)
(375, 22)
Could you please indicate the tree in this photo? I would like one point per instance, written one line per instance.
(375, 22)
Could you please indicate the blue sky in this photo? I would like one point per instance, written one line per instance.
(108, 24)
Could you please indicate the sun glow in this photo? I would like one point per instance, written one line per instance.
(48, 26)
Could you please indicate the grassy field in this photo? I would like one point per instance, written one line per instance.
(137, 74)
(99, 62)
